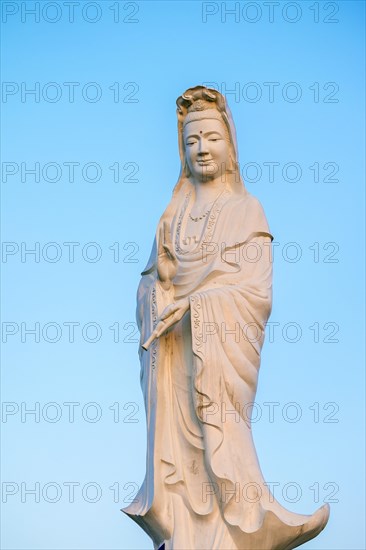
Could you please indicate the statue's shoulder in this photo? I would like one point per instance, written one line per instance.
(245, 215)
(241, 204)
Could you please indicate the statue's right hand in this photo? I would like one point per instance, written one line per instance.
(167, 261)
(171, 315)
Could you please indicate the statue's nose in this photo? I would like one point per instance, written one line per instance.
(202, 148)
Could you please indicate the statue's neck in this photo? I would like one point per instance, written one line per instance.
(208, 191)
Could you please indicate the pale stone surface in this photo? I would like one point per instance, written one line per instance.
(202, 304)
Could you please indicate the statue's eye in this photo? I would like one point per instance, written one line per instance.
(191, 142)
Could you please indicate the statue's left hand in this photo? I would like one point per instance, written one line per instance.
(171, 315)
(167, 261)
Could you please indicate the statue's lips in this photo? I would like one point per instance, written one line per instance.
(204, 162)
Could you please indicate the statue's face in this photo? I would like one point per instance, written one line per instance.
(207, 148)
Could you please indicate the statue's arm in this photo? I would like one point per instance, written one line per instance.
(249, 284)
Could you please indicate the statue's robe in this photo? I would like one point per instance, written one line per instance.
(203, 487)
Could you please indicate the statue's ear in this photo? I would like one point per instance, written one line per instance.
(232, 164)
(186, 169)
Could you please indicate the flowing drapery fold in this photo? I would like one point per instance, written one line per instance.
(203, 486)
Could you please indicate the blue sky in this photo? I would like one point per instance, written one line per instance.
(126, 70)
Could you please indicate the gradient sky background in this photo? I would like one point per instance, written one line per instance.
(168, 48)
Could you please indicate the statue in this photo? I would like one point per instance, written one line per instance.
(202, 306)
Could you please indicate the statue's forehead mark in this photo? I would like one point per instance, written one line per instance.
(210, 132)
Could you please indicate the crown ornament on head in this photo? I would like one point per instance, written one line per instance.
(200, 103)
